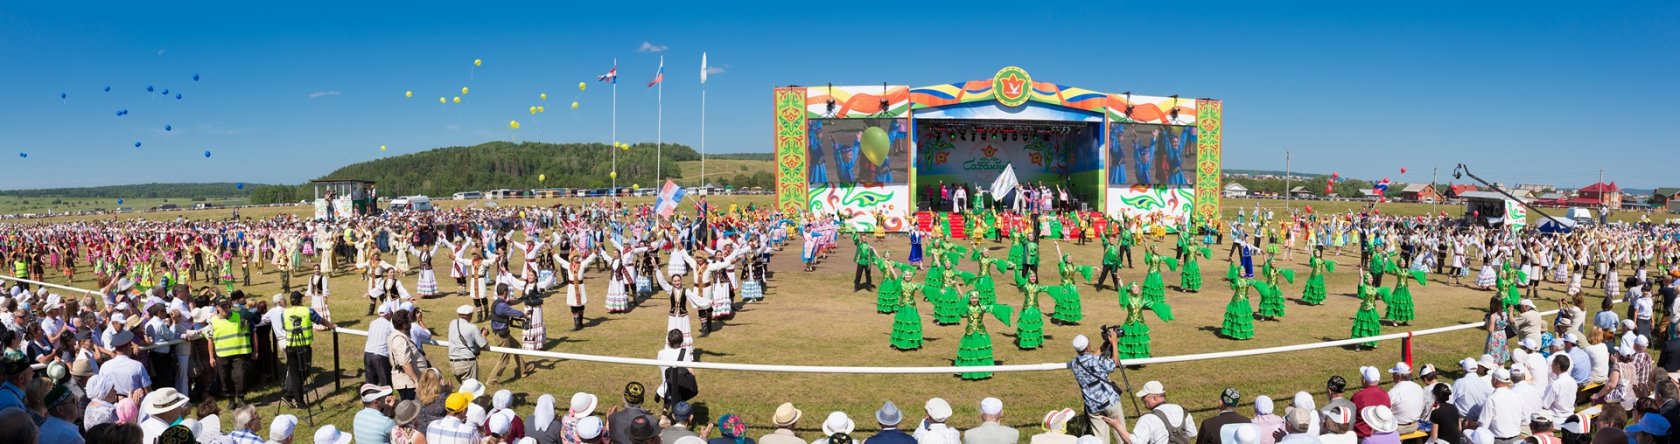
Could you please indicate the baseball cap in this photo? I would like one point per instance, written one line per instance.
(1401, 368)
(991, 406)
(464, 310)
(282, 427)
(1152, 388)
(457, 402)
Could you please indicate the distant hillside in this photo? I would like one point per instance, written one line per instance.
(140, 191)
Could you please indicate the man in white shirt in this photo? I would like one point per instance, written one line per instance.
(1558, 400)
(673, 351)
(1530, 394)
(1470, 391)
(935, 431)
(376, 355)
(1406, 398)
(1502, 414)
(465, 342)
(1155, 427)
(125, 374)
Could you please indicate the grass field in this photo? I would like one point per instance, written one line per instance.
(40, 205)
(722, 169)
(816, 319)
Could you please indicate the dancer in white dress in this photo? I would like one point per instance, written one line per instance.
(577, 296)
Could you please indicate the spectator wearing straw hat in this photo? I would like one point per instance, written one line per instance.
(1382, 424)
(1296, 423)
(1209, 433)
(785, 418)
(163, 408)
(372, 425)
(888, 417)
(1055, 428)
(991, 429)
(406, 415)
(453, 429)
(620, 419)
(933, 429)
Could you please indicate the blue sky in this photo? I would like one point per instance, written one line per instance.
(1546, 92)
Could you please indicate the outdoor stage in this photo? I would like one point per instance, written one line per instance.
(863, 150)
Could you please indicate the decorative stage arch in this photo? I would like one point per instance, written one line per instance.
(862, 150)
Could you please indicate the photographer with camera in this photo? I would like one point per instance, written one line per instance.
(1102, 398)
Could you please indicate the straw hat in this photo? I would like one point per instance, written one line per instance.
(786, 415)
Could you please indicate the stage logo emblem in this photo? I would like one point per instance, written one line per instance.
(1010, 85)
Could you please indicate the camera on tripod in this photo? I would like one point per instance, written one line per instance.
(1111, 331)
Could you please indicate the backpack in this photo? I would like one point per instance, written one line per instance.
(680, 384)
(1175, 435)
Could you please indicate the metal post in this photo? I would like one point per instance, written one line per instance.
(338, 372)
(1287, 196)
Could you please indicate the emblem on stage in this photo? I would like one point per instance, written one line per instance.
(1011, 85)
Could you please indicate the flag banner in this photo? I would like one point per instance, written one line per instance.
(703, 68)
(1004, 184)
(669, 196)
(611, 75)
(658, 76)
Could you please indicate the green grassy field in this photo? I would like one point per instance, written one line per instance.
(41, 205)
(717, 169)
(817, 319)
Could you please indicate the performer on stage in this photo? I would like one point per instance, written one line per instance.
(1239, 315)
(1134, 342)
(1314, 292)
(975, 348)
(907, 322)
(1365, 323)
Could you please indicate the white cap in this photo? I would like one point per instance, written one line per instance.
(1624, 350)
(472, 387)
(1468, 364)
(1502, 375)
(1628, 324)
(1526, 303)
(282, 427)
(1571, 339)
(1371, 374)
(464, 310)
(1530, 343)
(1152, 388)
(1401, 368)
(1081, 342)
(328, 434)
(1641, 341)
(502, 422)
(938, 409)
(991, 406)
(476, 415)
(589, 427)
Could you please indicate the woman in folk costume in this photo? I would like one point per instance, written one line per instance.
(1507, 285)
(891, 290)
(577, 296)
(225, 255)
(1154, 287)
(983, 282)
(390, 287)
(1400, 308)
(318, 293)
(1613, 278)
(946, 299)
(907, 321)
(1239, 315)
(532, 248)
(680, 293)
(1068, 310)
(1190, 276)
(1134, 340)
(400, 244)
(371, 272)
(1489, 276)
(620, 278)
(721, 284)
(1029, 328)
(812, 243)
(1317, 266)
(1271, 294)
(1365, 322)
(427, 285)
(708, 297)
(975, 348)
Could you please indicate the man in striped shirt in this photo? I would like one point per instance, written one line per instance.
(453, 429)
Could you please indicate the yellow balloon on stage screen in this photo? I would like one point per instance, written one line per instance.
(582, 86)
(478, 62)
(463, 90)
(457, 99)
(543, 96)
(574, 105)
(408, 94)
(514, 124)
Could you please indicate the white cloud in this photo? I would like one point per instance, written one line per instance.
(320, 94)
(160, 52)
(650, 47)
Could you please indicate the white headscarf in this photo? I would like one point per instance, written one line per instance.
(1303, 400)
(1263, 405)
(544, 414)
(501, 401)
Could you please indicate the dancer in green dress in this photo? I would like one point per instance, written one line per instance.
(1271, 294)
(907, 322)
(891, 288)
(1400, 309)
(975, 348)
(983, 282)
(1134, 343)
(1029, 327)
(1190, 277)
(1507, 284)
(1365, 323)
(1239, 315)
(1153, 287)
(1314, 292)
(1068, 310)
(947, 307)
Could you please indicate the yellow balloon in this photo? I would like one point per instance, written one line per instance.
(540, 109)
(408, 93)
(543, 96)
(613, 175)
(478, 62)
(574, 105)
(457, 99)
(625, 147)
(463, 90)
(382, 147)
(635, 186)
(542, 177)
(533, 110)
(582, 86)
(443, 100)
(514, 124)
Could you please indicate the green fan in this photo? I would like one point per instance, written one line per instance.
(1162, 310)
(1418, 276)
(1172, 263)
(1002, 313)
(1288, 275)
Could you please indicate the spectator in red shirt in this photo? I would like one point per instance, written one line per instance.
(1371, 395)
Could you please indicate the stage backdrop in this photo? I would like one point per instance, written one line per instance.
(858, 203)
(838, 151)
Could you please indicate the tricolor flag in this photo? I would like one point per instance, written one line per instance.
(669, 196)
(610, 76)
(660, 75)
(703, 68)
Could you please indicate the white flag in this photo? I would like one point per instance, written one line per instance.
(703, 68)
(1004, 184)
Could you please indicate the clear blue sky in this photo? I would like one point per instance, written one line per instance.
(1546, 92)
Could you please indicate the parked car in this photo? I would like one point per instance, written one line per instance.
(411, 203)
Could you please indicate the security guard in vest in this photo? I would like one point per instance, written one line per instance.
(230, 337)
(298, 321)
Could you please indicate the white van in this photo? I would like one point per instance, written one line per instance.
(411, 203)
(469, 195)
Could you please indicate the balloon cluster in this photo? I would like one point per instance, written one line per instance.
(1330, 184)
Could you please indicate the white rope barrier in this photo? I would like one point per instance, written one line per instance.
(779, 368)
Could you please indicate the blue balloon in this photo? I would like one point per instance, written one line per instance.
(195, 77)
(149, 88)
(119, 113)
(240, 185)
(107, 88)
(63, 95)
(166, 91)
(177, 96)
(23, 155)
(166, 127)
(206, 154)
(136, 144)
(119, 201)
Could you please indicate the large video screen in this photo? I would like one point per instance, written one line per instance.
(866, 151)
(1151, 154)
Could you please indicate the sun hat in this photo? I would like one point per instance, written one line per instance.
(281, 428)
(589, 427)
(1488, 362)
(328, 434)
(1379, 417)
(472, 387)
(837, 422)
(888, 414)
(162, 401)
(991, 406)
(1151, 388)
(81, 368)
(371, 393)
(457, 402)
(407, 411)
(583, 404)
(786, 415)
(1239, 434)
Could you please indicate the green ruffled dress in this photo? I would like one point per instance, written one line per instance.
(907, 322)
(1239, 316)
(976, 346)
(1029, 327)
(1365, 322)
(1314, 293)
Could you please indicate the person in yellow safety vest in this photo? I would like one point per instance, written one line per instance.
(230, 339)
(298, 321)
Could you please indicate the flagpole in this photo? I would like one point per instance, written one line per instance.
(659, 133)
(614, 149)
(702, 132)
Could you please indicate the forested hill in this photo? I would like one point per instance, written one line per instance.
(494, 165)
(147, 190)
